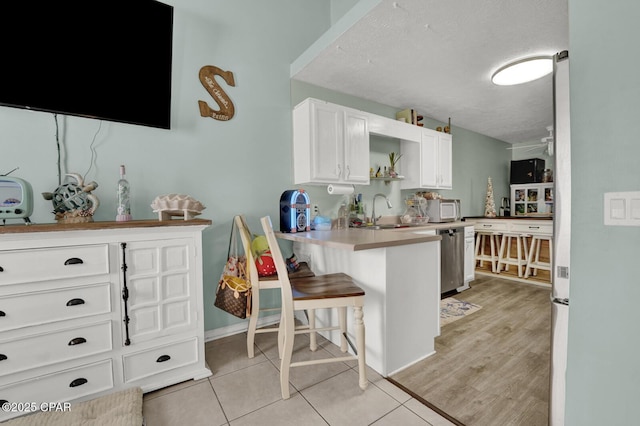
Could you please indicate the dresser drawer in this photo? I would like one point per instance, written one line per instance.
(157, 360)
(63, 345)
(56, 305)
(62, 386)
(533, 228)
(492, 226)
(20, 266)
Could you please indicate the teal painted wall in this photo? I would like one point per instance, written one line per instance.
(242, 165)
(603, 377)
(339, 8)
(475, 159)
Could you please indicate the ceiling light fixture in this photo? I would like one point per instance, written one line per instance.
(523, 71)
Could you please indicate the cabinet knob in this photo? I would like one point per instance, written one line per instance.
(77, 341)
(78, 382)
(2, 314)
(1, 269)
(3, 357)
(163, 358)
(74, 302)
(73, 261)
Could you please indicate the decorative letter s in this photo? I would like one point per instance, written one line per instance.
(207, 78)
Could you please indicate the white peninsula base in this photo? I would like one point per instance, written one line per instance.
(402, 301)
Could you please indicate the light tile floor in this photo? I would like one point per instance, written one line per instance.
(244, 391)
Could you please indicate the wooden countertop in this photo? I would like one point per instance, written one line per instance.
(353, 239)
(55, 227)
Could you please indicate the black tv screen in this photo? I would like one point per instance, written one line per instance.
(104, 59)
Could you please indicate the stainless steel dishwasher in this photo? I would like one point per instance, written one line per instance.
(451, 259)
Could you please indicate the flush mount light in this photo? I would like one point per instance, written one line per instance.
(523, 70)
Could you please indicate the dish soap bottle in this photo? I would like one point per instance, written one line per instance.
(124, 206)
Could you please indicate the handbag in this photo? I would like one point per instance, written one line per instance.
(233, 294)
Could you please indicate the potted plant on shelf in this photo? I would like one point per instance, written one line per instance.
(393, 160)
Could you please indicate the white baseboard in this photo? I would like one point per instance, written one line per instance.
(241, 327)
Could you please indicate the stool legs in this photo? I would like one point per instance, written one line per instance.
(504, 257)
(533, 259)
(494, 245)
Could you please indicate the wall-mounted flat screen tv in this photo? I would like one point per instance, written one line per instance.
(104, 59)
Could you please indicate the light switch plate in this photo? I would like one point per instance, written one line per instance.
(622, 208)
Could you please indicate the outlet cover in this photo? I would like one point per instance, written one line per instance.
(622, 208)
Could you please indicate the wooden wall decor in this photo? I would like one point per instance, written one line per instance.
(207, 78)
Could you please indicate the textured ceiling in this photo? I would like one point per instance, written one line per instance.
(438, 56)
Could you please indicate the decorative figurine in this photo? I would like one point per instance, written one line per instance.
(74, 202)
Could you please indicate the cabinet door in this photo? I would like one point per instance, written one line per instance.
(161, 280)
(445, 180)
(356, 148)
(469, 254)
(429, 157)
(327, 137)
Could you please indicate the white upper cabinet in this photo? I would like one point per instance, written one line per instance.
(427, 164)
(445, 159)
(330, 144)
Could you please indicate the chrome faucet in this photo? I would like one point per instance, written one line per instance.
(373, 209)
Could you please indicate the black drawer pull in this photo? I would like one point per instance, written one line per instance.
(2, 314)
(3, 357)
(163, 358)
(78, 382)
(74, 302)
(1, 269)
(73, 261)
(77, 341)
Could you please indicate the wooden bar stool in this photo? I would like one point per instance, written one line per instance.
(533, 261)
(522, 255)
(494, 242)
(328, 291)
(259, 284)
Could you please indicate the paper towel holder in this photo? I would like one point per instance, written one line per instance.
(339, 189)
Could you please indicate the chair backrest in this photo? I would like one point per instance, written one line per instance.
(281, 268)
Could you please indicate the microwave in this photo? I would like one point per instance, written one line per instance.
(442, 210)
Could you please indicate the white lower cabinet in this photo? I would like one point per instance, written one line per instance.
(86, 312)
(469, 255)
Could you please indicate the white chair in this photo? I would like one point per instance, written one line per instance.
(522, 255)
(494, 243)
(319, 292)
(258, 284)
(533, 261)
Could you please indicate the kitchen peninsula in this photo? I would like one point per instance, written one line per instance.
(400, 273)
(524, 226)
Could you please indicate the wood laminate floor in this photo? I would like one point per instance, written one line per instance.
(491, 367)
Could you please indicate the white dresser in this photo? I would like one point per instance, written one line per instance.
(89, 309)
